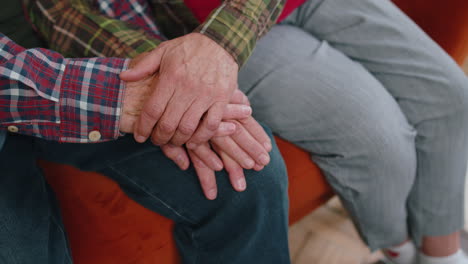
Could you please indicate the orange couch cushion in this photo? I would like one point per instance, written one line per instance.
(104, 226)
(445, 21)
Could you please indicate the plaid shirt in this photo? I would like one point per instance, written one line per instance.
(45, 95)
(125, 28)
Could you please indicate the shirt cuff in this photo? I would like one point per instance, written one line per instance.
(232, 30)
(91, 98)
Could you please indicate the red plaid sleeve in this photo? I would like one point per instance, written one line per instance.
(45, 95)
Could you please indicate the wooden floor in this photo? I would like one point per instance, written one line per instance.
(327, 236)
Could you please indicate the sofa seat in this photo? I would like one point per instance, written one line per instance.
(104, 226)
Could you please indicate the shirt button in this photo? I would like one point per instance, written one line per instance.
(13, 129)
(94, 136)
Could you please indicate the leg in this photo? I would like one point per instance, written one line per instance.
(429, 87)
(312, 95)
(234, 228)
(31, 229)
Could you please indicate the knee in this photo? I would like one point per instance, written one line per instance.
(386, 146)
(272, 179)
(267, 189)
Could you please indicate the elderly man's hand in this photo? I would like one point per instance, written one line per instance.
(197, 78)
(137, 93)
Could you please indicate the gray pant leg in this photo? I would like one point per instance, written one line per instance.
(317, 98)
(430, 88)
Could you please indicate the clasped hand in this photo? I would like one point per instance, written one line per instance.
(183, 96)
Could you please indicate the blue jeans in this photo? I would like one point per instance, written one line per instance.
(247, 227)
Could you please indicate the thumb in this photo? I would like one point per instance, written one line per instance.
(144, 67)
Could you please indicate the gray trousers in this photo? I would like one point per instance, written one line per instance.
(382, 109)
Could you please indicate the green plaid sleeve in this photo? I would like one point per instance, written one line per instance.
(74, 29)
(237, 25)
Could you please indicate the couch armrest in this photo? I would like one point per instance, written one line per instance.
(445, 21)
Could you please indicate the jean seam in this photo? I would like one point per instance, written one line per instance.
(152, 195)
(195, 246)
(67, 251)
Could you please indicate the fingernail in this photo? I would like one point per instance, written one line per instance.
(191, 145)
(264, 159)
(140, 139)
(241, 184)
(249, 163)
(230, 127)
(267, 146)
(246, 110)
(259, 168)
(218, 165)
(211, 194)
(180, 161)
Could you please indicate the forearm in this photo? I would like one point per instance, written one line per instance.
(237, 25)
(45, 95)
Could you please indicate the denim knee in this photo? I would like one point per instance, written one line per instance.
(269, 186)
(256, 217)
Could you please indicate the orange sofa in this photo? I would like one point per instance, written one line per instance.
(106, 227)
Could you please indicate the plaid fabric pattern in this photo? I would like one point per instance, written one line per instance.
(48, 96)
(135, 12)
(76, 28)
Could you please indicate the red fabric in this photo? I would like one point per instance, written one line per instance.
(202, 8)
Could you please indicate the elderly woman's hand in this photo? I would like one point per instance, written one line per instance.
(246, 148)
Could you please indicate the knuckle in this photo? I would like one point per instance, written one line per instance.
(155, 140)
(153, 111)
(178, 142)
(143, 132)
(179, 139)
(257, 151)
(219, 141)
(167, 127)
(212, 124)
(187, 128)
(200, 164)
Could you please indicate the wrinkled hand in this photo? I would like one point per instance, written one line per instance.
(137, 93)
(247, 148)
(197, 78)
